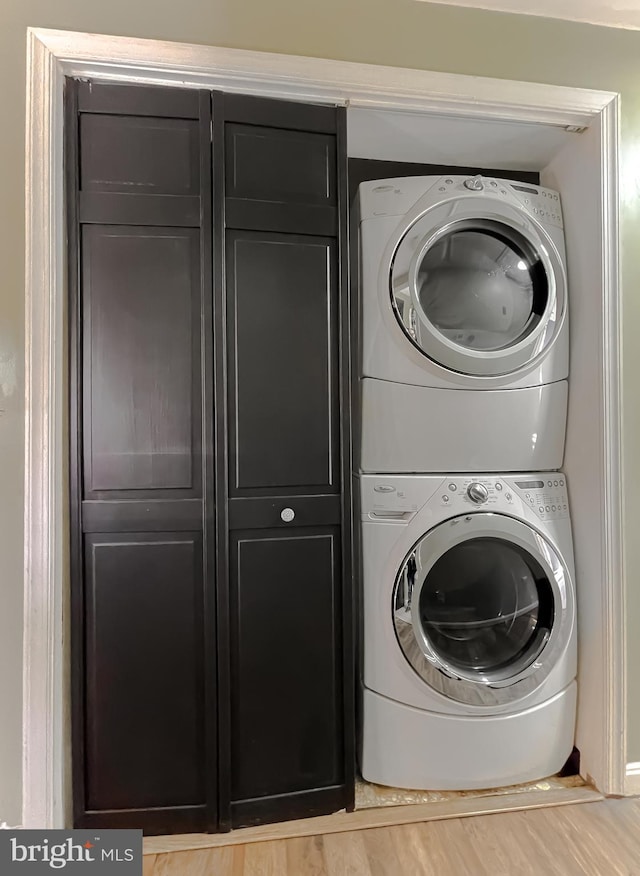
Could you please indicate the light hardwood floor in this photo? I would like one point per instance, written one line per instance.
(594, 839)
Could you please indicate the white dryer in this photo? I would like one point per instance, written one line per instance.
(462, 287)
(468, 639)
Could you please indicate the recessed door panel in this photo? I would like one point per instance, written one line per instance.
(137, 155)
(141, 358)
(144, 689)
(283, 362)
(286, 708)
(270, 164)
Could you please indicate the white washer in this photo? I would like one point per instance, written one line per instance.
(462, 287)
(468, 658)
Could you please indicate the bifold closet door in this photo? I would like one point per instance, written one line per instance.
(143, 589)
(290, 675)
(212, 644)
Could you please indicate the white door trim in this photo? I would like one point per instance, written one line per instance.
(52, 55)
(614, 608)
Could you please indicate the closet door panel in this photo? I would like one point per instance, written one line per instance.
(269, 164)
(283, 339)
(143, 521)
(285, 636)
(144, 671)
(289, 679)
(139, 155)
(141, 359)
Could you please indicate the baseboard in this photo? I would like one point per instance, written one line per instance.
(632, 780)
(5, 826)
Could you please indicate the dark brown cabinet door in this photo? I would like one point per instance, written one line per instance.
(290, 589)
(143, 593)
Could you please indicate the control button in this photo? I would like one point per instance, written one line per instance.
(532, 500)
(478, 493)
(555, 483)
(541, 509)
(553, 508)
(442, 189)
(287, 514)
(528, 496)
(564, 507)
(449, 182)
(474, 183)
(549, 483)
(547, 508)
(453, 487)
(508, 497)
(504, 191)
(493, 182)
(498, 486)
(385, 488)
(562, 483)
(445, 498)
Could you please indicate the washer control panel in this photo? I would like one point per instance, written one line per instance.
(546, 494)
(481, 491)
(398, 497)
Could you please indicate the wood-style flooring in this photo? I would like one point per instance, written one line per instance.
(590, 839)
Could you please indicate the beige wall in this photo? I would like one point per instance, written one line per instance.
(395, 32)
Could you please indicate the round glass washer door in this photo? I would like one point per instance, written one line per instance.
(477, 295)
(482, 608)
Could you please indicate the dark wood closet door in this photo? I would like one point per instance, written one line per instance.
(290, 681)
(143, 597)
(212, 627)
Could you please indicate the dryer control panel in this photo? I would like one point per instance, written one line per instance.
(396, 196)
(543, 203)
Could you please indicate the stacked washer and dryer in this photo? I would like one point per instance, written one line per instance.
(468, 616)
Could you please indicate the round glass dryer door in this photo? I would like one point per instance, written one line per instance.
(477, 296)
(480, 607)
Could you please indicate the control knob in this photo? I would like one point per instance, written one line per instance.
(474, 183)
(478, 493)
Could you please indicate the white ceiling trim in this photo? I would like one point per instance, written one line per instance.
(320, 79)
(608, 13)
